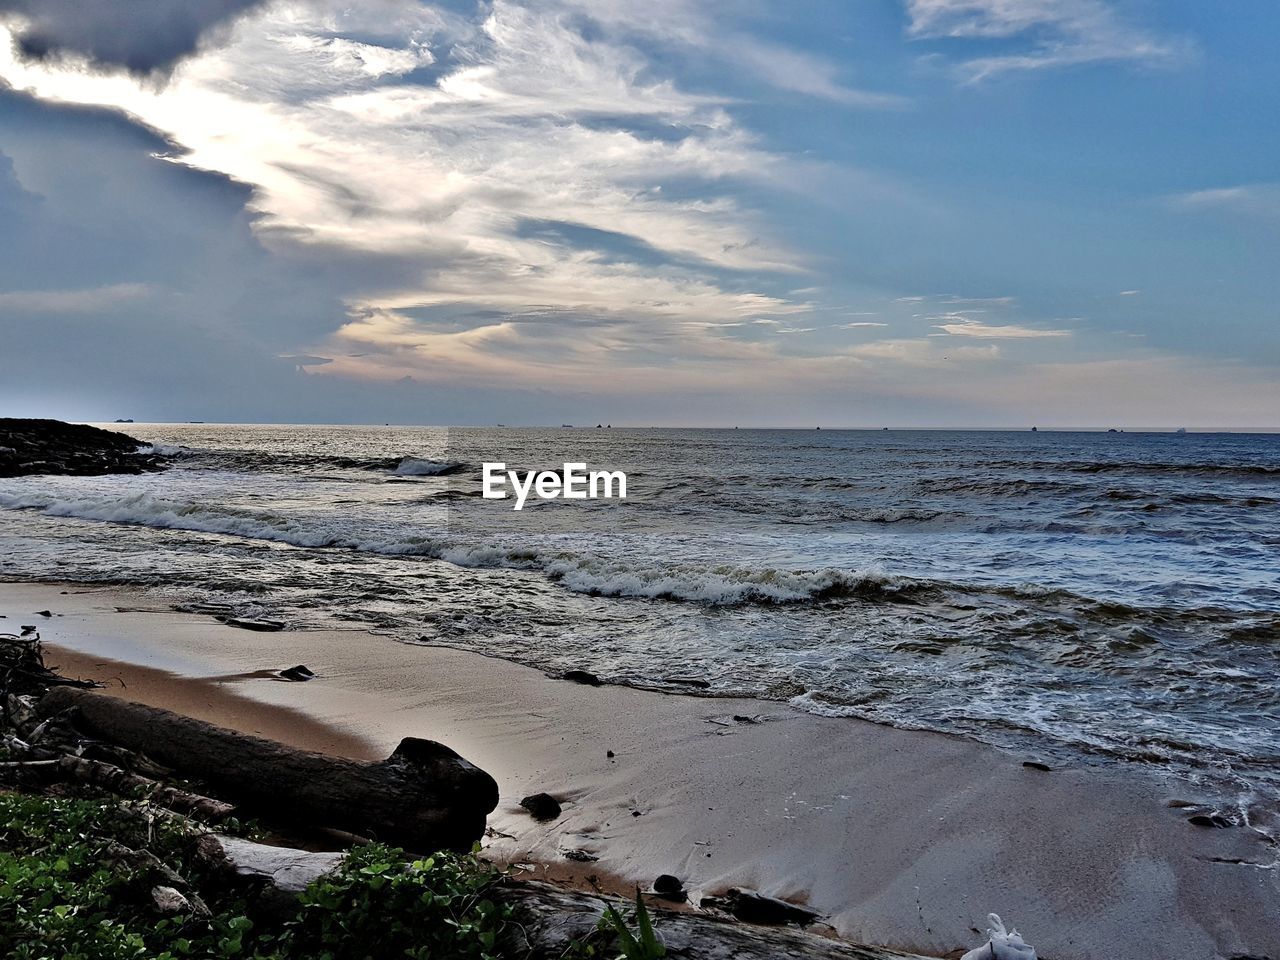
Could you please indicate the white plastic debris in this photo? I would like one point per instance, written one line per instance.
(1003, 945)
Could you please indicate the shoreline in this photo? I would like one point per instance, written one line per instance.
(902, 838)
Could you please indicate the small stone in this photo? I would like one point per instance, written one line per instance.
(579, 856)
(583, 677)
(541, 806)
(44, 613)
(670, 888)
(170, 902)
(609, 754)
(1210, 820)
(244, 623)
(297, 674)
(1036, 765)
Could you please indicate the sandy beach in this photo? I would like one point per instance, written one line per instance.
(901, 838)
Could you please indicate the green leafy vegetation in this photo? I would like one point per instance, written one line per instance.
(74, 885)
(377, 905)
(642, 946)
(615, 940)
(76, 875)
(76, 878)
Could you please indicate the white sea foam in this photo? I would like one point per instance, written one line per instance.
(641, 577)
(144, 509)
(414, 467)
(717, 585)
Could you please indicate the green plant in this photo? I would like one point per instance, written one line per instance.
(72, 885)
(377, 905)
(76, 876)
(645, 945)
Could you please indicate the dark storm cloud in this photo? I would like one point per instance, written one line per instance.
(142, 35)
(134, 287)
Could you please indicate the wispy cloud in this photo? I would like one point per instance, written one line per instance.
(520, 165)
(922, 352)
(1260, 200)
(71, 301)
(959, 326)
(1041, 34)
(699, 28)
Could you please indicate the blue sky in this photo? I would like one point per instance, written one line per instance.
(907, 212)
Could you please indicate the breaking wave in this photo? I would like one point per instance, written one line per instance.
(413, 467)
(275, 461)
(718, 585)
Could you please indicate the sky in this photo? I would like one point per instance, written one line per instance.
(682, 212)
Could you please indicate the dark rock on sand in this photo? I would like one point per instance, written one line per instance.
(44, 613)
(541, 806)
(579, 856)
(1210, 820)
(581, 676)
(1037, 765)
(246, 623)
(298, 674)
(30, 447)
(670, 888)
(751, 907)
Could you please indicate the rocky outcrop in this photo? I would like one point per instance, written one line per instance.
(54, 447)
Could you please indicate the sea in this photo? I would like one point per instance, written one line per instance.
(1107, 598)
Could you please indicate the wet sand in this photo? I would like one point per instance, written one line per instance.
(901, 838)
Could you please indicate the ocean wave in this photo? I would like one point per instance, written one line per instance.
(725, 584)
(144, 509)
(717, 585)
(268, 461)
(1239, 470)
(167, 450)
(414, 467)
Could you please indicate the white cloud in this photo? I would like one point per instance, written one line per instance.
(522, 180)
(699, 29)
(1256, 200)
(922, 352)
(71, 301)
(1052, 33)
(960, 326)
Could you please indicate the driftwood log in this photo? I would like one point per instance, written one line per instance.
(551, 917)
(424, 796)
(556, 916)
(113, 778)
